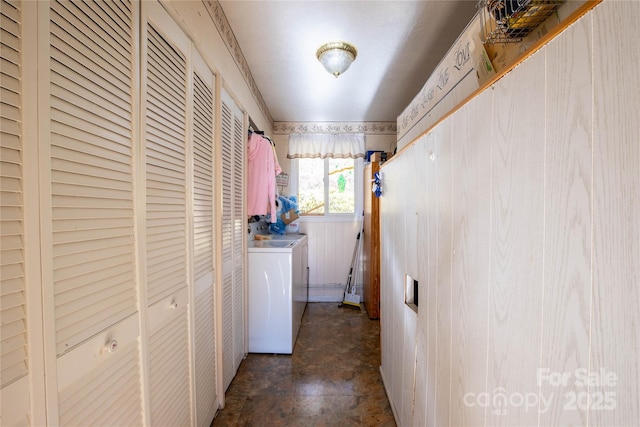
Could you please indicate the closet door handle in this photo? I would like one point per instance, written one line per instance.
(112, 346)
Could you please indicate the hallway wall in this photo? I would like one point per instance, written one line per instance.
(518, 217)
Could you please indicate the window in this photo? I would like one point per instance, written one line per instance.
(327, 173)
(327, 186)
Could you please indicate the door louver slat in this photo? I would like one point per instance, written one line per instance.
(169, 373)
(206, 362)
(166, 167)
(13, 330)
(227, 179)
(64, 44)
(114, 43)
(91, 172)
(227, 244)
(238, 239)
(114, 384)
(228, 364)
(203, 177)
(117, 11)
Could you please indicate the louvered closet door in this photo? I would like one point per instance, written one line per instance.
(13, 344)
(165, 82)
(202, 135)
(92, 212)
(239, 236)
(228, 363)
(232, 238)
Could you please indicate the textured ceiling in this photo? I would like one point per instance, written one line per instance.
(399, 44)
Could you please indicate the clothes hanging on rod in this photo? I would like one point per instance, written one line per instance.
(262, 168)
(277, 168)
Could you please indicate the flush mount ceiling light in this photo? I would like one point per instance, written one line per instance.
(336, 57)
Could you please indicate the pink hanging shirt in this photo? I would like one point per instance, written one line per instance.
(261, 177)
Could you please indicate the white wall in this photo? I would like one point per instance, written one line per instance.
(526, 213)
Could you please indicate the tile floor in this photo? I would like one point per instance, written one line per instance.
(332, 378)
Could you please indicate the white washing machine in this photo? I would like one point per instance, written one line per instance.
(277, 291)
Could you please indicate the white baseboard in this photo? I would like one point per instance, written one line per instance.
(325, 298)
(391, 402)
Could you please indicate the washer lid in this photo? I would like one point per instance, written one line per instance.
(273, 243)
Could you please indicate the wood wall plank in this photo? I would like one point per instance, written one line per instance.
(442, 217)
(392, 234)
(470, 263)
(567, 247)
(387, 328)
(395, 281)
(432, 279)
(330, 254)
(516, 240)
(615, 325)
(408, 373)
(408, 267)
(315, 273)
(422, 381)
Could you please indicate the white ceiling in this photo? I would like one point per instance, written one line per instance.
(399, 44)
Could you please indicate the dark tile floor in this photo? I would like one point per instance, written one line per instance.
(332, 378)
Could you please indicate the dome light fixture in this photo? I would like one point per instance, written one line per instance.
(336, 57)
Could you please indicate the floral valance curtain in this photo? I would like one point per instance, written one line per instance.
(326, 145)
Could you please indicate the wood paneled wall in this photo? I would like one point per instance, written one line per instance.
(525, 207)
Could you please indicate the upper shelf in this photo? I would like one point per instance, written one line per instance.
(508, 21)
(474, 62)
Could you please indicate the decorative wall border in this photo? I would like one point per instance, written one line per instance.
(369, 128)
(222, 25)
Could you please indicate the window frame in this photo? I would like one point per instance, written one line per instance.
(358, 188)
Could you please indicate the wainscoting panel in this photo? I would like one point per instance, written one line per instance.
(427, 214)
(527, 229)
(407, 266)
(567, 234)
(391, 284)
(442, 218)
(517, 223)
(331, 245)
(470, 258)
(615, 318)
(424, 369)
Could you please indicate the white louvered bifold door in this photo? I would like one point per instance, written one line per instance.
(13, 338)
(233, 235)
(92, 212)
(165, 81)
(233, 223)
(239, 236)
(226, 124)
(203, 193)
